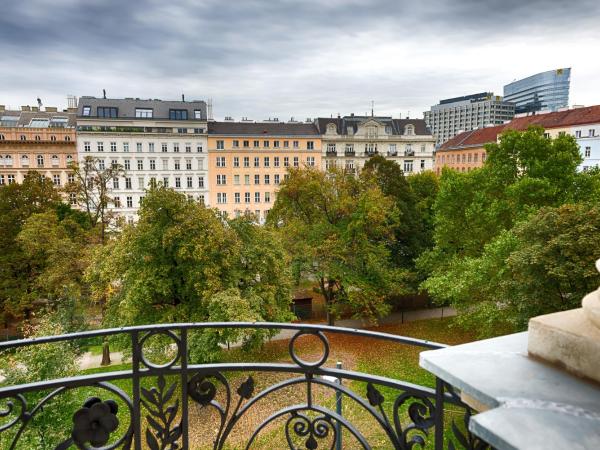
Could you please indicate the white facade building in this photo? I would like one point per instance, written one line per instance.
(348, 142)
(154, 141)
(588, 138)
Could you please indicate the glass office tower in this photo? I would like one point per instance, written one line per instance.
(546, 91)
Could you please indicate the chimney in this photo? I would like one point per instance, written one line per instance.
(2, 108)
(25, 108)
(183, 97)
(51, 109)
(35, 109)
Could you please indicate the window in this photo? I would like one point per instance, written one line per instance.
(166, 181)
(409, 129)
(256, 161)
(267, 197)
(588, 152)
(547, 135)
(220, 161)
(113, 146)
(152, 164)
(266, 144)
(188, 148)
(350, 164)
(141, 183)
(256, 179)
(23, 137)
(200, 182)
(70, 178)
(127, 164)
(144, 113)
(117, 202)
(221, 197)
(177, 164)
(310, 161)
(236, 197)
(423, 163)
(1, 180)
(246, 144)
(276, 161)
(151, 147)
(100, 146)
(275, 144)
(178, 114)
(115, 183)
(256, 144)
(11, 179)
(38, 138)
(24, 160)
(392, 150)
(296, 161)
(188, 164)
(54, 160)
(221, 179)
(276, 178)
(127, 182)
(126, 147)
(592, 132)
(56, 180)
(286, 161)
(286, 144)
(236, 143)
(266, 162)
(310, 145)
(40, 160)
(107, 111)
(246, 161)
(199, 148)
(247, 180)
(164, 147)
(176, 147)
(86, 111)
(138, 147)
(165, 164)
(129, 201)
(197, 114)
(140, 164)
(408, 166)
(182, 130)
(72, 198)
(257, 197)
(236, 179)
(236, 161)
(246, 197)
(296, 144)
(330, 148)
(578, 134)
(220, 145)
(201, 198)
(87, 147)
(177, 182)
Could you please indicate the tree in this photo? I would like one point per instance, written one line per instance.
(338, 230)
(179, 257)
(91, 188)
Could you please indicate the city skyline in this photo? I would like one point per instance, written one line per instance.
(262, 59)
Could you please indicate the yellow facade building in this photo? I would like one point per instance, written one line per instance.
(248, 160)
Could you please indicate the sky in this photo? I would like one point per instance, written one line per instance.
(305, 58)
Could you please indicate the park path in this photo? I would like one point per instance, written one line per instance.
(90, 361)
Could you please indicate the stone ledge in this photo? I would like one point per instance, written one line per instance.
(569, 340)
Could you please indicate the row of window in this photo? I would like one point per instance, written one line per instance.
(222, 161)
(7, 160)
(164, 147)
(237, 198)
(462, 158)
(310, 145)
(56, 179)
(591, 133)
(186, 183)
(140, 165)
(408, 165)
(142, 113)
(222, 179)
(37, 138)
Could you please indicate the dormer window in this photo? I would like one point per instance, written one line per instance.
(409, 130)
(371, 132)
(86, 110)
(331, 128)
(144, 113)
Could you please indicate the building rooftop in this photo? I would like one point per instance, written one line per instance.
(481, 136)
(37, 119)
(343, 124)
(262, 128)
(126, 108)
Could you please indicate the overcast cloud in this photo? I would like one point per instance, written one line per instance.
(302, 58)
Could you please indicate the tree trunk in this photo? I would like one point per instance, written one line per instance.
(105, 354)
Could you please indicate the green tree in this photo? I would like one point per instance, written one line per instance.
(338, 230)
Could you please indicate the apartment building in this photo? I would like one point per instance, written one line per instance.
(349, 141)
(42, 141)
(454, 115)
(466, 151)
(155, 141)
(248, 160)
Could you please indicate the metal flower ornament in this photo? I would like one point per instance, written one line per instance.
(94, 422)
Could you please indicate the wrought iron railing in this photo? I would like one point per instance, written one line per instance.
(158, 417)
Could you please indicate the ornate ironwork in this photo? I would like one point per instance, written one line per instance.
(158, 417)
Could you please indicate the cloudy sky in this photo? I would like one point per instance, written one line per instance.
(303, 58)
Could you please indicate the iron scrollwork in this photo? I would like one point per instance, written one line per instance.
(162, 433)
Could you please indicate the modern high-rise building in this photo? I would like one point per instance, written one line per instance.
(35, 140)
(155, 141)
(454, 115)
(349, 141)
(545, 91)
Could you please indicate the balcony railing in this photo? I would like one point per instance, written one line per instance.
(331, 152)
(157, 403)
(349, 153)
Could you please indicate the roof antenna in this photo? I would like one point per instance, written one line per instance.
(39, 102)
(183, 97)
(104, 93)
(372, 106)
